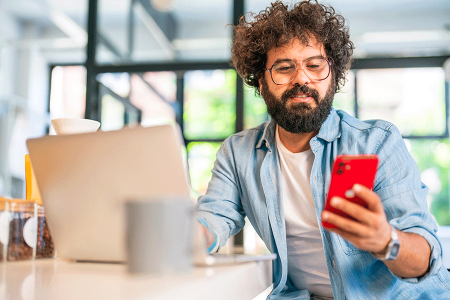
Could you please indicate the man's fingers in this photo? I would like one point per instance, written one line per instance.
(373, 201)
(344, 223)
(354, 210)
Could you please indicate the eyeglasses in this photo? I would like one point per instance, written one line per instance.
(316, 68)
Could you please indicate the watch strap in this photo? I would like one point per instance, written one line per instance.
(392, 248)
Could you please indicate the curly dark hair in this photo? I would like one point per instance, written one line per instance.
(277, 25)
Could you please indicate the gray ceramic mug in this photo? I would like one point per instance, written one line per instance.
(159, 235)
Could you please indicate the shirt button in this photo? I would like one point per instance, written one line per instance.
(315, 177)
(333, 262)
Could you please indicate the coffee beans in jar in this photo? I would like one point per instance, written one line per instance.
(44, 244)
(4, 228)
(22, 230)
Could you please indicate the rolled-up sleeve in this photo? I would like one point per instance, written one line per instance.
(221, 206)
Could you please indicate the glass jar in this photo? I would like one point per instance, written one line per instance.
(44, 245)
(4, 228)
(22, 230)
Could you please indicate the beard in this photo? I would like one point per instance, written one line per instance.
(300, 117)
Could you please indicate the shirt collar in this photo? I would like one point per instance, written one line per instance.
(331, 128)
(268, 137)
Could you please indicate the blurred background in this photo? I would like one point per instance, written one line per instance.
(129, 62)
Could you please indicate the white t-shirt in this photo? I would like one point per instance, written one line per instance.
(307, 267)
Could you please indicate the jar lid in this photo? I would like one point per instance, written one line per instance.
(21, 205)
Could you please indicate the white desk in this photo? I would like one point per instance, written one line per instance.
(55, 279)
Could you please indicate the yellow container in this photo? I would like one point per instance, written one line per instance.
(32, 189)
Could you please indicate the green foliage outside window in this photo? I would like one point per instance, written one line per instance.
(255, 111)
(210, 104)
(345, 98)
(201, 157)
(433, 158)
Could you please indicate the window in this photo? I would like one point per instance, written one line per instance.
(154, 93)
(413, 99)
(209, 104)
(401, 96)
(255, 111)
(345, 98)
(433, 157)
(201, 157)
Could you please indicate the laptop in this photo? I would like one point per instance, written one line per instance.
(84, 180)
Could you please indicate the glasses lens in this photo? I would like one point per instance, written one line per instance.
(283, 72)
(317, 68)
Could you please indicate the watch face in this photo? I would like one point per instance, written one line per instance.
(394, 250)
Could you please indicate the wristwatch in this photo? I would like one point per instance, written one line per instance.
(392, 248)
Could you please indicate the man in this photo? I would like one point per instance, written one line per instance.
(278, 173)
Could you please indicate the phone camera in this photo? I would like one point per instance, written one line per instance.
(341, 168)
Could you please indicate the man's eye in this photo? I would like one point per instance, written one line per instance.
(313, 67)
(284, 69)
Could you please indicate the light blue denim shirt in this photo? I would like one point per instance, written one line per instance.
(246, 181)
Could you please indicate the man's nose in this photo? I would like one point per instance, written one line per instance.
(301, 78)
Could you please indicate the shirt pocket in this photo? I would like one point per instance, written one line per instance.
(348, 248)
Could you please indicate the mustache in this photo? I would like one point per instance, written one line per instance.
(300, 89)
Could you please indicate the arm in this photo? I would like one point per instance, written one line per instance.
(220, 210)
(209, 236)
(210, 241)
(370, 231)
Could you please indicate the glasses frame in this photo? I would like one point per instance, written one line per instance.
(296, 72)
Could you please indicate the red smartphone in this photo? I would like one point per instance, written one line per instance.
(347, 171)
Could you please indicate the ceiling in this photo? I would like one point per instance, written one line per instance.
(378, 28)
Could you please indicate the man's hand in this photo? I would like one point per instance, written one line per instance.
(208, 235)
(370, 231)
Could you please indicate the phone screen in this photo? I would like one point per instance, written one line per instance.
(347, 171)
